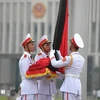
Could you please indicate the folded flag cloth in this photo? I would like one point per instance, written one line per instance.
(61, 70)
(40, 64)
(40, 69)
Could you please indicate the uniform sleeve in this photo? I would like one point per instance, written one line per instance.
(60, 63)
(24, 65)
(59, 54)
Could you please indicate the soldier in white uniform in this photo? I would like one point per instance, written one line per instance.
(73, 63)
(29, 86)
(46, 87)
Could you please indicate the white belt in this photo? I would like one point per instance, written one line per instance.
(35, 81)
(73, 75)
(23, 78)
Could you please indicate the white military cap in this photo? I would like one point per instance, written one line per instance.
(27, 39)
(43, 40)
(77, 41)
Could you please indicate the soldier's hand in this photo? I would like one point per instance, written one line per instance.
(52, 53)
(59, 54)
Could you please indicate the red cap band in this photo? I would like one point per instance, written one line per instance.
(73, 42)
(26, 41)
(42, 42)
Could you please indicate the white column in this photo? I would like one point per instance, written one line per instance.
(25, 19)
(10, 31)
(53, 20)
(31, 24)
(38, 34)
(32, 30)
(94, 10)
(90, 26)
(4, 28)
(97, 34)
(46, 20)
(78, 22)
(46, 27)
(17, 28)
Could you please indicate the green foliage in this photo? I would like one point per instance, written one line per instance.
(3, 98)
(58, 98)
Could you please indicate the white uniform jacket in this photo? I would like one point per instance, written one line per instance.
(28, 86)
(74, 65)
(45, 86)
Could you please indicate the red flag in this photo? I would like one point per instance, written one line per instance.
(64, 41)
(61, 31)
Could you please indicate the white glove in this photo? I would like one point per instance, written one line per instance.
(60, 57)
(52, 53)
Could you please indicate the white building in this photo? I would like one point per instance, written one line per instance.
(19, 17)
(16, 20)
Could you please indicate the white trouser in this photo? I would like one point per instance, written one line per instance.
(71, 96)
(29, 97)
(44, 97)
